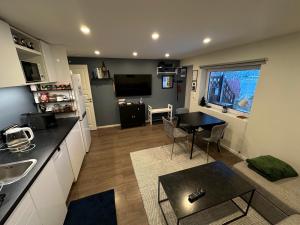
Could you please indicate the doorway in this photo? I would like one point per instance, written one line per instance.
(85, 82)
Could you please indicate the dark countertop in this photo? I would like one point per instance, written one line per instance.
(46, 142)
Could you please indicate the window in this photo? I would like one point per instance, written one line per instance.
(234, 88)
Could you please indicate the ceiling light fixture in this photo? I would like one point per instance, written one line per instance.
(167, 55)
(206, 40)
(155, 36)
(84, 29)
(135, 54)
(97, 52)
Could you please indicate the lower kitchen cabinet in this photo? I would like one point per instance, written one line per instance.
(48, 197)
(25, 213)
(76, 149)
(63, 169)
(45, 201)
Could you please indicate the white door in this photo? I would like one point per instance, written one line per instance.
(85, 81)
(48, 198)
(25, 213)
(63, 168)
(76, 149)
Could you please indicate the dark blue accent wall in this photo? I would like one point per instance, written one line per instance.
(13, 102)
(105, 102)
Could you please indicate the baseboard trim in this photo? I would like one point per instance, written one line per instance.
(108, 126)
(234, 152)
(94, 128)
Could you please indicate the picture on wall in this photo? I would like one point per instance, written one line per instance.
(167, 82)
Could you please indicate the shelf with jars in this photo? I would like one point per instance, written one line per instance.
(54, 97)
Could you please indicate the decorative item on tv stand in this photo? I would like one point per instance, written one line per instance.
(101, 72)
(56, 98)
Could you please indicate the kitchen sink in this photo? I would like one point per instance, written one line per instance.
(12, 172)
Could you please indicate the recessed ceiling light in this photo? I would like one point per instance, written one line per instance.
(155, 36)
(167, 55)
(206, 40)
(84, 29)
(97, 52)
(134, 53)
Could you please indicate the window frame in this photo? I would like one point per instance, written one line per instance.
(216, 106)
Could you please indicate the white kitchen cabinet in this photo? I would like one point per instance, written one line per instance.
(48, 197)
(63, 169)
(61, 63)
(49, 61)
(10, 67)
(25, 213)
(76, 148)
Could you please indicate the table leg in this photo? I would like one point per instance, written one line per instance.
(249, 202)
(160, 201)
(192, 148)
(158, 190)
(244, 213)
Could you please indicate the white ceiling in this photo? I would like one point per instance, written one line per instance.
(119, 27)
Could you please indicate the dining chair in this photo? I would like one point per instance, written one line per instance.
(179, 111)
(216, 135)
(173, 132)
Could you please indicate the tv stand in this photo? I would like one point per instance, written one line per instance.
(132, 115)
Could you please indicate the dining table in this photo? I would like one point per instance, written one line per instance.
(191, 121)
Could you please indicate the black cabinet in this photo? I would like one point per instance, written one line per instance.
(132, 115)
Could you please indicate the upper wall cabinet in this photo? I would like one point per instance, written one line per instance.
(49, 62)
(30, 51)
(56, 62)
(61, 63)
(18, 47)
(11, 70)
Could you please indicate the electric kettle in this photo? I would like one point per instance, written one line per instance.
(17, 138)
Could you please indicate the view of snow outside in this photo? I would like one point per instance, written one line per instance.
(242, 84)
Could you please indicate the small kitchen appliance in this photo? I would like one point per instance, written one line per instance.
(39, 121)
(18, 139)
(32, 72)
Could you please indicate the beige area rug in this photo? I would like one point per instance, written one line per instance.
(150, 163)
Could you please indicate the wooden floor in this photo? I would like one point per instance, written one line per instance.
(108, 165)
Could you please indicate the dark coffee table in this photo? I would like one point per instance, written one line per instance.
(221, 183)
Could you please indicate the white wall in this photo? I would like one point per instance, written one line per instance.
(274, 124)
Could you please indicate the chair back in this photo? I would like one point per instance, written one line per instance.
(168, 127)
(217, 132)
(181, 110)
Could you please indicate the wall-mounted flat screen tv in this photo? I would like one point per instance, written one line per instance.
(132, 84)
